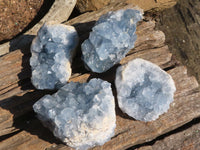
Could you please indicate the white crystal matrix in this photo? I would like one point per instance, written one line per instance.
(110, 40)
(81, 115)
(52, 51)
(144, 90)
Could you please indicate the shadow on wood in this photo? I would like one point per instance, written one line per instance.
(83, 30)
(28, 121)
(155, 143)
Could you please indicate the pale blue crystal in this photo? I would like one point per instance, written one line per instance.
(144, 90)
(80, 114)
(110, 40)
(52, 51)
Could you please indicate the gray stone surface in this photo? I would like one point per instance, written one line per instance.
(144, 90)
(110, 40)
(52, 51)
(80, 114)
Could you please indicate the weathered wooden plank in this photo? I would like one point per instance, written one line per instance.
(181, 24)
(18, 95)
(158, 56)
(130, 132)
(187, 138)
(26, 140)
(14, 96)
(89, 5)
(16, 89)
(27, 98)
(181, 77)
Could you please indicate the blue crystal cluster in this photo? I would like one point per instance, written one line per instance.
(144, 90)
(80, 114)
(110, 40)
(52, 51)
(83, 115)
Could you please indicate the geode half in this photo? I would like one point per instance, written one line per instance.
(144, 90)
(110, 40)
(52, 51)
(80, 114)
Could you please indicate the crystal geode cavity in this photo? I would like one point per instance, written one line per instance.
(144, 90)
(81, 115)
(110, 40)
(52, 51)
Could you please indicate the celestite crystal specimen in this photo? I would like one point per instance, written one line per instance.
(80, 114)
(110, 40)
(52, 51)
(144, 90)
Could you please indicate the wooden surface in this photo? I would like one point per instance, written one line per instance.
(91, 5)
(186, 138)
(181, 25)
(20, 129)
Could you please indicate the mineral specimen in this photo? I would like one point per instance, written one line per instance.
(110, 40)
(81, 115)
(52, 52)
(144, 90)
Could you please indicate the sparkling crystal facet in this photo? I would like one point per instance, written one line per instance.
(80, 114)
(52, 51)
(144, 90)
(110, 40)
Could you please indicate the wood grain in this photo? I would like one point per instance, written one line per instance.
(181, 25)
(89, 5)
(186, 138)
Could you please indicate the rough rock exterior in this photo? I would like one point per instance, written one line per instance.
(81, 115)
(52, 51)
(144, 90)
(16, 15)
(110, 40)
